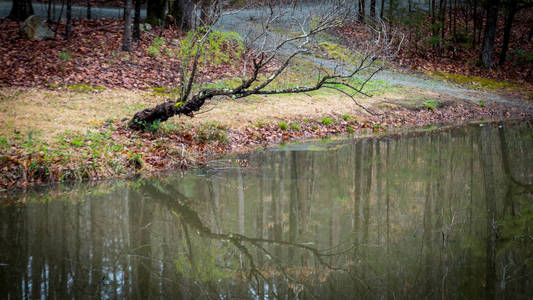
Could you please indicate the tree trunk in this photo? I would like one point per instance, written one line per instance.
(49, 11)
(510, 13)
(166, 110)
(20, 10)
(183, 13)
(126, 41)
(373, 9)
(362, 10)
(89, 9)
(155, 12)
(137, 21)
(68, 31)
(487, 52)
(474, 40)
(383, 8)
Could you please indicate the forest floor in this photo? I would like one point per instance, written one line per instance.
(64, 107)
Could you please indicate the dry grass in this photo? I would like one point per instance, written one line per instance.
(52, 112)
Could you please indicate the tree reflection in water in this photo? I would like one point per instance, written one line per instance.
(430, 215)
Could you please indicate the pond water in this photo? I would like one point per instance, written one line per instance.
(446, 214)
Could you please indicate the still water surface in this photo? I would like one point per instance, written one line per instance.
(444, 214)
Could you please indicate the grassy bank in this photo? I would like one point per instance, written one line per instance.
(72, 134)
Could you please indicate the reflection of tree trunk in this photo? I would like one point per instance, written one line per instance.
(508, 201)
(293, 205)
(379, 189)
(470, 209)
(214, 195)
(367, 189)
(388, 184)
(260, 220)
(488, 179)
(240, 195)
(357, 195)
(428, 233)
(96, 247)
(277, 196)
(439, 177)
(140, 216)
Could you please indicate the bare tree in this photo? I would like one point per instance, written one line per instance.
(126, 42)
(269, 53)
(68, 28)
(137, 21)
(89, 6)
(20, 10)
(487, 52)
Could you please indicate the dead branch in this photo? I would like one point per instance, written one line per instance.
(284, 34)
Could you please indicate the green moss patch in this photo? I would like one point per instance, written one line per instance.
(473, 82)
(84, 88)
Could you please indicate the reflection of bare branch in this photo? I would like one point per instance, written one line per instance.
(178, 202)
(505, 159)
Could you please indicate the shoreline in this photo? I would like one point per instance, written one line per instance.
(152, 153)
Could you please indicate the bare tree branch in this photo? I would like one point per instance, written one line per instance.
(283, 35)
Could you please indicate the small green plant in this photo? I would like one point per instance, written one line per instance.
(481, 103)
(136, 160)
(154, 127)
(259, 124)
(77, 143)
(30, 141)
(430, 104)
(350, 130)
(326, 121)
(295, 127)
(283, 126)
(155, 47)
(65, 56)
(346, 117)
(314, 127)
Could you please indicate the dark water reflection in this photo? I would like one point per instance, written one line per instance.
(445, 215)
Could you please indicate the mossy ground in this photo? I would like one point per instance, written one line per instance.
(473, 81)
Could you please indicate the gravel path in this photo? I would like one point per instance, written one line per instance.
(246, 21)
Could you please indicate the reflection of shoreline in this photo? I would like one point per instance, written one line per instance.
(396, 216)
